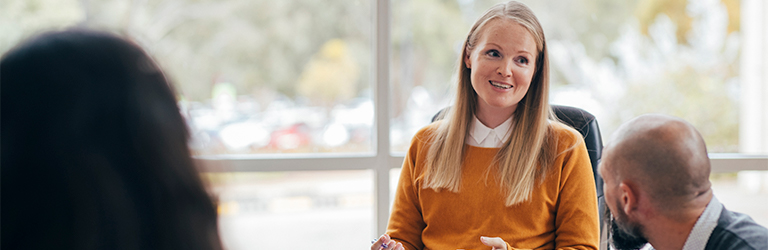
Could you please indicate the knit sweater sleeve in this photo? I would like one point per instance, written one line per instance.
(406, 222)
(577, 219)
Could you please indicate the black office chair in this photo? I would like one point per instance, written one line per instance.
(586, 124)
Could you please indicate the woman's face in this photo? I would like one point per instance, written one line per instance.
(502, 65)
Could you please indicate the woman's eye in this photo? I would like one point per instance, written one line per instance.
(522, 60)
(493, 53)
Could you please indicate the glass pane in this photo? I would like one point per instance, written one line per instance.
(616, 59)
(253, 76)
(394, 178)
(425, 39)
(295, 210)
(739, 192)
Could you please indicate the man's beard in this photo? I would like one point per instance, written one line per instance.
(625, 234)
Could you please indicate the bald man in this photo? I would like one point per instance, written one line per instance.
(656, 173)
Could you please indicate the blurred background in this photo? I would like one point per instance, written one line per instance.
(296, 78)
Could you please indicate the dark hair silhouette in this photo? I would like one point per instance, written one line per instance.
(94, 150)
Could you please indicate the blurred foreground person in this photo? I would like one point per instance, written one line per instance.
(656, 173)
(94, 150)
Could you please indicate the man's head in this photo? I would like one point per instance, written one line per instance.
(654, 165)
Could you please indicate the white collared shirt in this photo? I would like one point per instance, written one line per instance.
(485, 137)
(704, 226)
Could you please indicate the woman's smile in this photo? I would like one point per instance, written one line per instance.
(501, 85)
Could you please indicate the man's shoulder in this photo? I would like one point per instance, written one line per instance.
(737, 231)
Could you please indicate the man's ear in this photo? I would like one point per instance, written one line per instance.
(628, 198)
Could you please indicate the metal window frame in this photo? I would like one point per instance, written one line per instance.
(381, 161)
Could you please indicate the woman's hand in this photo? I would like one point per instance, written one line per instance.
(495, 242)
(386, 243)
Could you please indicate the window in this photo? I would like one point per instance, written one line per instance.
(297, 209)
(615, 59)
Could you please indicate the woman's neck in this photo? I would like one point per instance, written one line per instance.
(492, 117)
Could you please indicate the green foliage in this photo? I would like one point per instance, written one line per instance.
(698, 98)
(20, 19)
(675, 9)
(425, 40)
(330, 76)
(254, 44)
(648, 10)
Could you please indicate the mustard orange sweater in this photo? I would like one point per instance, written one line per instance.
(561, 213)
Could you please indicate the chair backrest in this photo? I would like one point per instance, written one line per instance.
(586, 124)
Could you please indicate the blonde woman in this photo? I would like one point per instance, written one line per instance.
(499, 164)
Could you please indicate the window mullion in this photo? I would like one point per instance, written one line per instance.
(381, 101)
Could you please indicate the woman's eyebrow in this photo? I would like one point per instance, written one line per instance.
(502, 48)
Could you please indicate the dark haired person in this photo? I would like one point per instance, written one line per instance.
(94, 150)
(656, 173)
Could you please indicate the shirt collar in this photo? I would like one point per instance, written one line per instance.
(704, 226)
(480, 133)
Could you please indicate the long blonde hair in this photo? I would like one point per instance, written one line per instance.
(531, 148)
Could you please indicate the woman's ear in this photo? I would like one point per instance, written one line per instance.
(467, 62)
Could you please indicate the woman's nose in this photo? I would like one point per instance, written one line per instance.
(505, 69)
